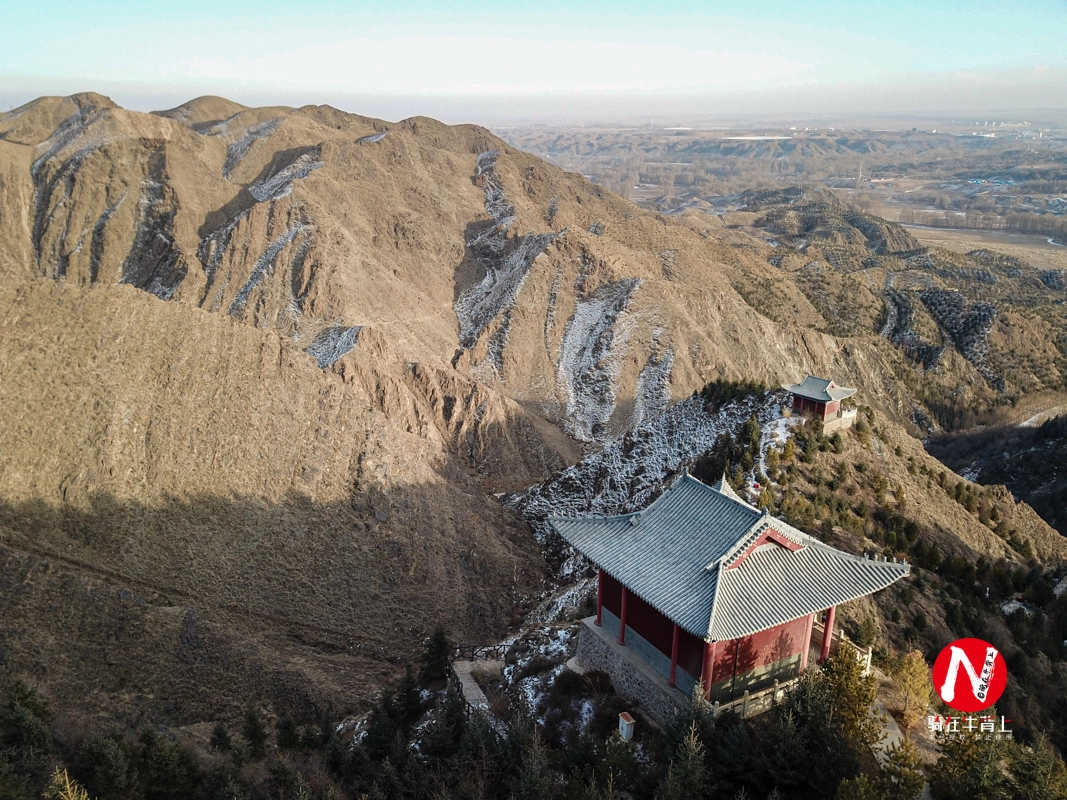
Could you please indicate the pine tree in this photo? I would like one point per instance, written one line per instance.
(858, 788)
(790, 451)
(107, 764)
(536, 779)
(255, 732)
(441, 737)
(286, 733)
(854, 695)
(63, 787)
(913, 680)
(969, 766)
(687, 774)
(902, 776)
(12, 785)
(1037, 773)
(220, 739)
(435, 658)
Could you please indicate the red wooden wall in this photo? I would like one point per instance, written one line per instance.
(655, 628)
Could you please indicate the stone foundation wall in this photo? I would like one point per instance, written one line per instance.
(629, 676)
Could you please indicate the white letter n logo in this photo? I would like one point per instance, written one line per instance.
(979, 684)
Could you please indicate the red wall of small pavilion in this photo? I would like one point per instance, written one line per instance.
(655, 628)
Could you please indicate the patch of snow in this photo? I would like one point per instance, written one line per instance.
(564, 601)
(374, 137)
(653, 392)
(329, 345)
(1009, 607)
(506, 267)
(281, 182)
(236, 152)
(496, 293)
(588, 359)
(586, 718)
(263, 267)
(629, 472)
(69, 131)
(775, 432)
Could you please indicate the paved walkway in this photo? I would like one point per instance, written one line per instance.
(472, 692)
(893, 734)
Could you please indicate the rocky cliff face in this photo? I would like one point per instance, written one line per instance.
(263, 370)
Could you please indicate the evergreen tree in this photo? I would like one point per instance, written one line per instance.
(12, 785)
(220, 739)
(254, 732)
(409, 702)
(286, 733)
(858, 788)
(854, 695)
(969, 766)
(773, 461)
(790, 451)
(168, 771)
(913, 681)
(435, 658)
(620, 765)
(1037, 773)
(902, 776)
(686, 774)
(108, 765)
(536, 780)
(62, 787)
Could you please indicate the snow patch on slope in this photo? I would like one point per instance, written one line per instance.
(588, 360)
(629, 472)
(329, 345)
(653, 392)
(506, 266)
(236, 152)
(263, 267)
(281, 182)
(496, 293)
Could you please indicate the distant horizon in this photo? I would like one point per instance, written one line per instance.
(500, 62)
(752, 112)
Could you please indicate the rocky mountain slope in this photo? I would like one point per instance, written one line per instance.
(263, 370)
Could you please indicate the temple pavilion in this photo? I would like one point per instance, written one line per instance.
(702, 589)
(818, 397)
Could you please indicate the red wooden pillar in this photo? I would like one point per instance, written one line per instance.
(707, 673)
(674, 657)
(599, 597)
(807, 643)
(827, 634)
(622, 617)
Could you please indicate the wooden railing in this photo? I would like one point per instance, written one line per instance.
(473, 652)
(480, 652)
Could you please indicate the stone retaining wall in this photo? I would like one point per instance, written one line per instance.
(630, 677)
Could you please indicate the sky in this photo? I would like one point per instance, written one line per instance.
(494, 61)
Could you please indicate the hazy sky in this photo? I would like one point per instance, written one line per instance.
(470, 59)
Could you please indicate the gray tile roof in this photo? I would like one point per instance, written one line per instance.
(676, 553)
(821, 389)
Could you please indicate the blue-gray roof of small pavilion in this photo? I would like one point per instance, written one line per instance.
(820, 389)
(674, 556)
